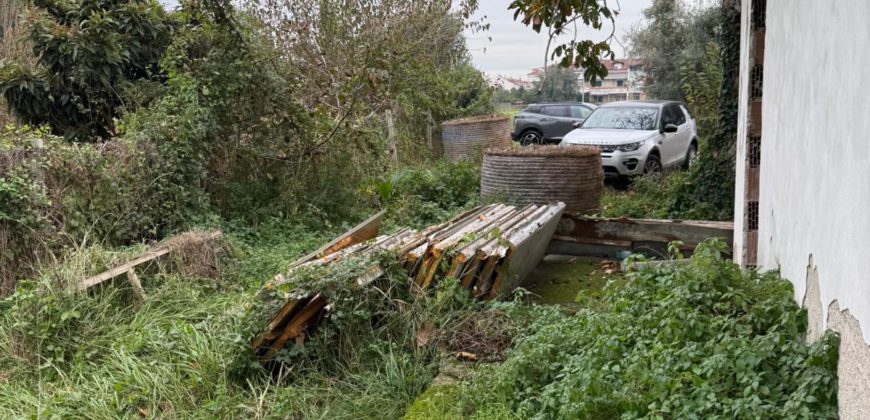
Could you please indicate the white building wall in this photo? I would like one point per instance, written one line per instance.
(815, 156)
(814, 197)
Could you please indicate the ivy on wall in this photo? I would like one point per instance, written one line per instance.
(709, 190)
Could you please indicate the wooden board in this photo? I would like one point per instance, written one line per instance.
(609, 238)
(362, 232)
(123, 268)
(647, 230)
(296, 325)
(143, 259)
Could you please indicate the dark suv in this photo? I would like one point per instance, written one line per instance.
(547, 123)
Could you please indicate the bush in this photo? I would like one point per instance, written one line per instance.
(701, 341)
(422, 196)
(655, 197)
(87, 49)
(646, 197)
(55, 194)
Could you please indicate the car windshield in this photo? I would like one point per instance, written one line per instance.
(623, 118)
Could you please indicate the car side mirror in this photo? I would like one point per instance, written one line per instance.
(670, 128)
(577, 124)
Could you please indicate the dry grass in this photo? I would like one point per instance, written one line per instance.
(476, 119)
(487, 335)
(546, 151)
(198, 254)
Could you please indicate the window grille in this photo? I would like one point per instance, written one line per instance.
(754, 151)
(756, 81)
(752, 216)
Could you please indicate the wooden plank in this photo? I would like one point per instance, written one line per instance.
(691, 232)
(470, 273)
(126, 267)
(123, 268)
(528, 245)
(485, 280)
(559, 247)
(296, 325)
(137, 286)
(433, 259)
(269, 333)
(362, 232)
(468, 251)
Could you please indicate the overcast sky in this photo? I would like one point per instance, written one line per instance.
(515, 48)
(510, 48)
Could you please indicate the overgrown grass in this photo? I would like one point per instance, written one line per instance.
(184, 351)
(644, 198)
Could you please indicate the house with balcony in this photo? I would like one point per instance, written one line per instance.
(624, 81)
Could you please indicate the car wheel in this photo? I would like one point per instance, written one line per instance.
(691, 155)
(531, 137)
(653, 165)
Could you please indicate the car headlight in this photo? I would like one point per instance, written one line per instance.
(630, 147)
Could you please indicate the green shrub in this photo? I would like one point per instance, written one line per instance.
(654, 198)
(62, 194)
(424, 195)
(702, 341)
(87, 50)
(645, 198)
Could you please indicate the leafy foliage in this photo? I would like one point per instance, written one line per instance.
(421, 196)
(54, 194)
(704, 340)
(647, 197)
(711, 180)
(673, 43)
(87, 50)
(702, 89)
(557, 16)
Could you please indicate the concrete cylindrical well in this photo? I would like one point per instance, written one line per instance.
(466, 137)
(544, 174)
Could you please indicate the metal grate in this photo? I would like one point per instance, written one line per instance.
(759, 14)
(752, 216)
(756, 81)
(753, 155)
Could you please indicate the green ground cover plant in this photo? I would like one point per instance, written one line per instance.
(702, 341)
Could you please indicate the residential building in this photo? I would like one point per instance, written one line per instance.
(803, 178)
(624, 81)
(510, 83)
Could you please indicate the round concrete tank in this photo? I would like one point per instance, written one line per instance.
(466, 138)
(544, 174)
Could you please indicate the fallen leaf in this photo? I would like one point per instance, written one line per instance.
(423, 334)
(466, 356)
(143, 412)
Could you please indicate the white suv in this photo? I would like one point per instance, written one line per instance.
(638, 137)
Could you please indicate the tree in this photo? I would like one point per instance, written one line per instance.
(557, 16)
(673, 43)
(87, 51)
(558, 84)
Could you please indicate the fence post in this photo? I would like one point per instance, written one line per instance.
(391, 138)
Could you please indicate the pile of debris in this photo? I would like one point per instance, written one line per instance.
(489, 249)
